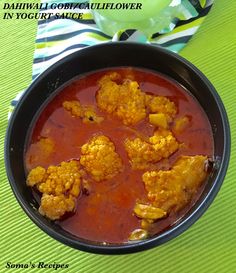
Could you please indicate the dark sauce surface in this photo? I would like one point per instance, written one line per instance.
(105, 214)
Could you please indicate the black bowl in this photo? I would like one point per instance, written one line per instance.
(100, 57)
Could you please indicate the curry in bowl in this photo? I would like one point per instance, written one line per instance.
(119, 155)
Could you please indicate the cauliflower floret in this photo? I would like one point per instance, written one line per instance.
(171, 190)
(62, 179)
(141, 153)
(100, 158)
(54, 207)
(108, 94)
(164, 142)
(125, 100)
(57, 183)
(160, 104)
(35, 176)
(74, 107)
(87, 113)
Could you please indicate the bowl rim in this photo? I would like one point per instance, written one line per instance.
(163, 237)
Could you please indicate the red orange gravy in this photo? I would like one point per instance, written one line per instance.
(106, 213)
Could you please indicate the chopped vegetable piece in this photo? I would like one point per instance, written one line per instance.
(148, 212)
(158, 120)
(138, 234)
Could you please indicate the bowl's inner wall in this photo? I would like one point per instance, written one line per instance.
(86, 61)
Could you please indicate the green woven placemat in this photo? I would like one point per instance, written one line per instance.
(208, 246)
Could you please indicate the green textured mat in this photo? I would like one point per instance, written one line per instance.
(208, 246)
